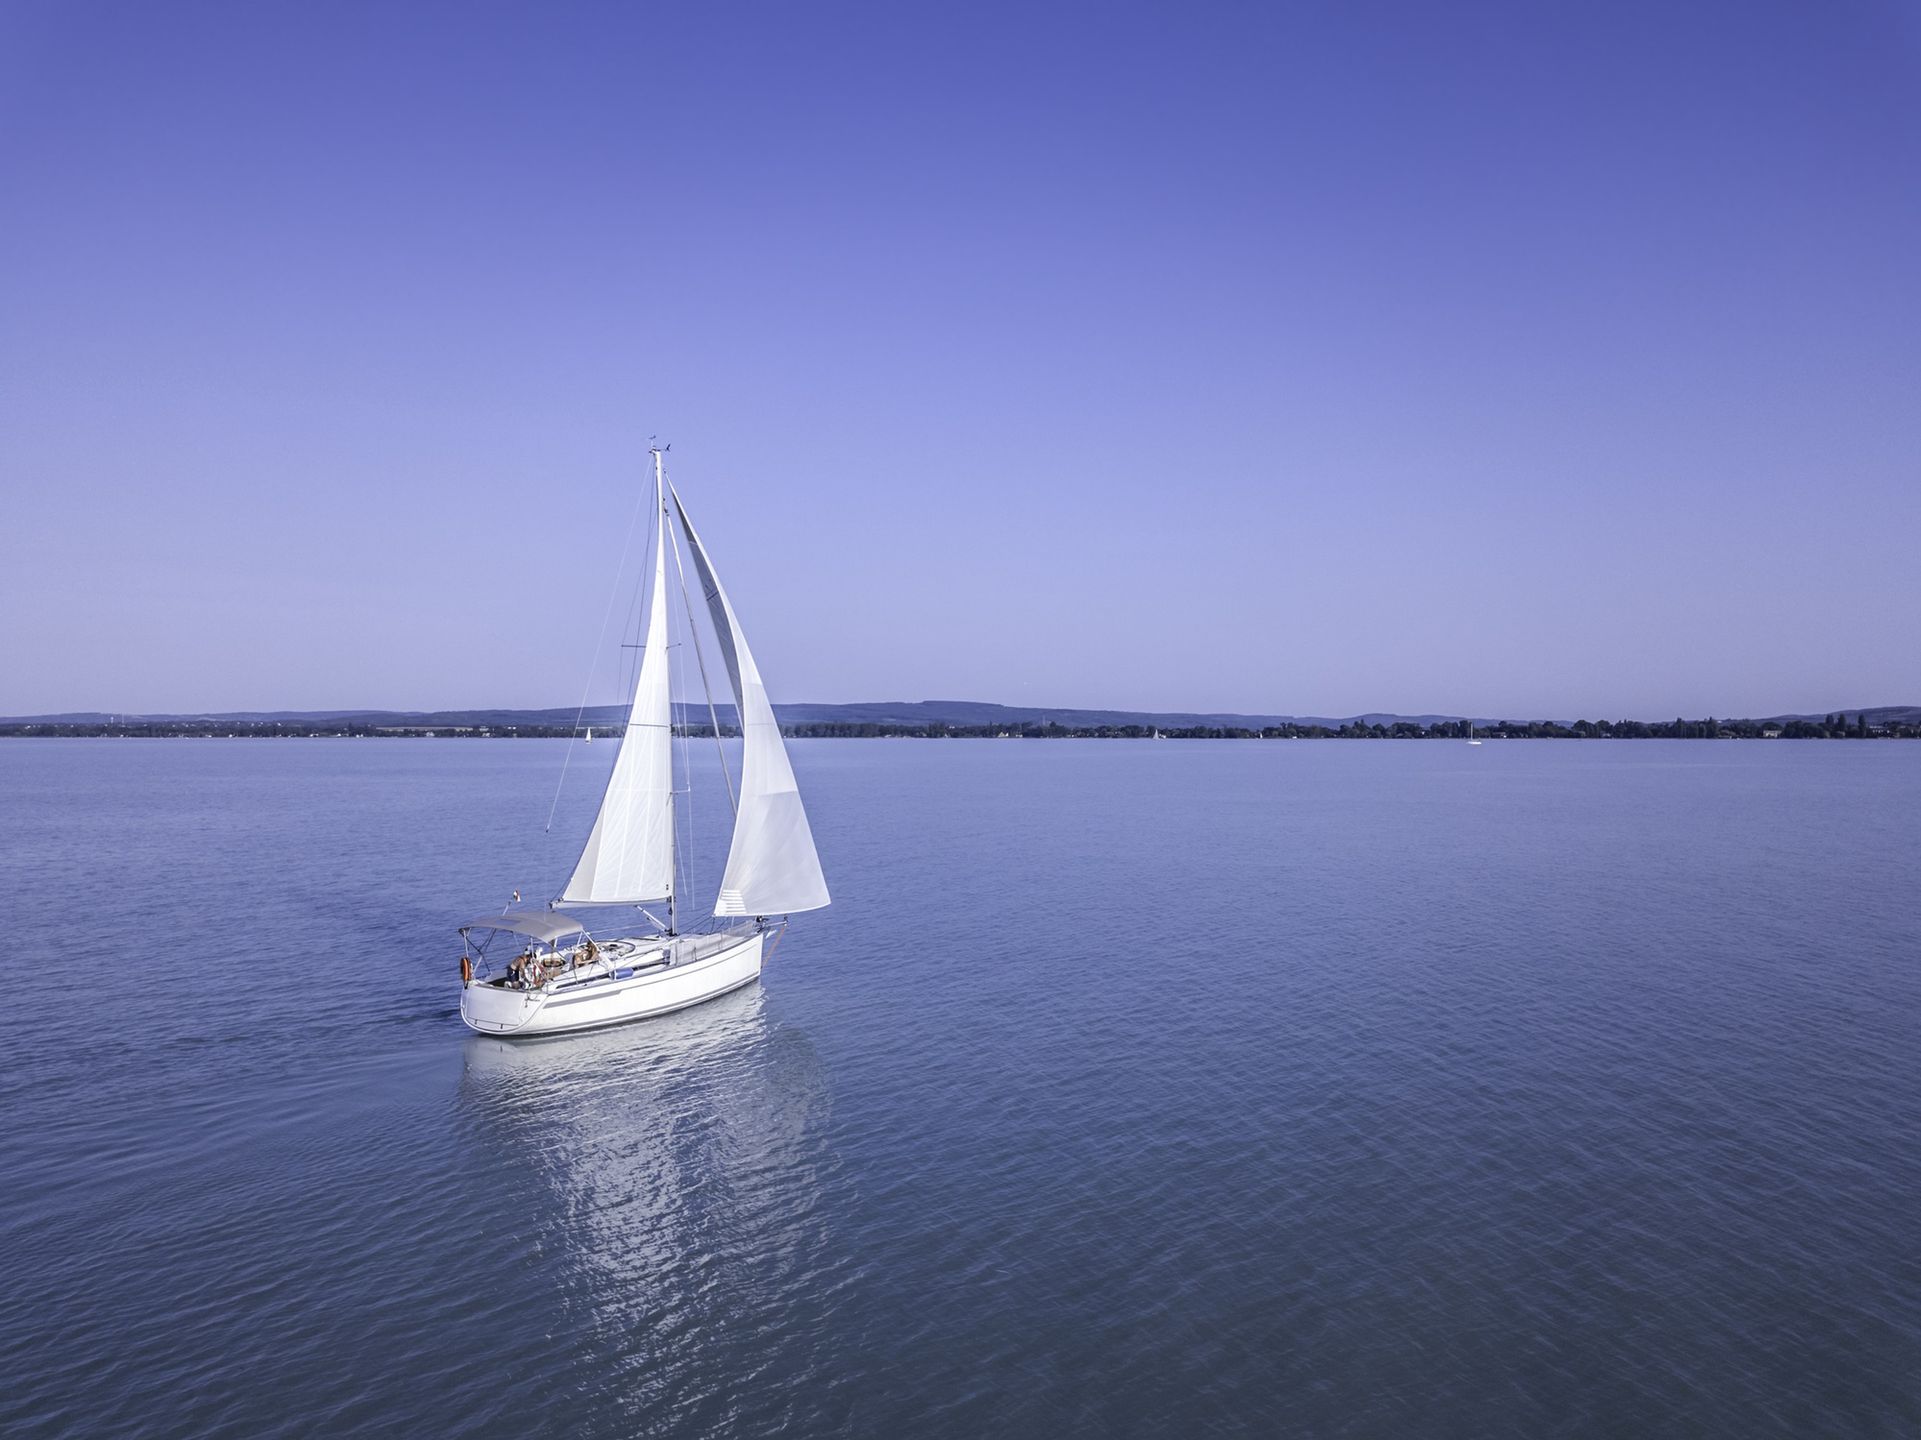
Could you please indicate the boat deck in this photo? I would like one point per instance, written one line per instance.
(621, 958)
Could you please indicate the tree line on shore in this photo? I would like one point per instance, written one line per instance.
(1838, 726)
(1835, 726)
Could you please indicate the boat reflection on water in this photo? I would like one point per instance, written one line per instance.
(665, 1180)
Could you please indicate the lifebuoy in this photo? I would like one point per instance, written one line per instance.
(466, 972)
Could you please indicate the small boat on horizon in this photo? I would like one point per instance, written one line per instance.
(1470, 734)
(568, 973)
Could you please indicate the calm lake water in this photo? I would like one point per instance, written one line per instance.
(1310, 1088)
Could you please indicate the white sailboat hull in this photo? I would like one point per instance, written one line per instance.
(650, 977)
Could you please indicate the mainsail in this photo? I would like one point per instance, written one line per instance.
(630, 854)
(772, 867)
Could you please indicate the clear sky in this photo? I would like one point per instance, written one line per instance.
(1526, 359)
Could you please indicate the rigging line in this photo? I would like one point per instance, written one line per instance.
(599, 640)
(635, 625)
(693, 633)
(687, 768)
(683, 857)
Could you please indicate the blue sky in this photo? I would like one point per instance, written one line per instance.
(1505, 359)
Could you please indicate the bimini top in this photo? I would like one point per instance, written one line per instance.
(539, 924)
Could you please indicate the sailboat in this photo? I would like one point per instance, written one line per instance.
(1470, 734)
(573, 973)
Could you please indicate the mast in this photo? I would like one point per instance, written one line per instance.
(660, 600)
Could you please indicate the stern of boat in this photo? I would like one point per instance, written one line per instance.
(498, 1009)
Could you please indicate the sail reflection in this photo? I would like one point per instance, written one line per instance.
(676, 1165)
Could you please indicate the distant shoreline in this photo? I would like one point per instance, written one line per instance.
(1839, 726)
(952, 719)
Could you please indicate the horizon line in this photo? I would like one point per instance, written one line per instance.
(1143, 715)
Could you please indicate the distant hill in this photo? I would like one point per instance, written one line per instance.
(1877, 714)
(907, 713)
(977, 712)
(903, 713)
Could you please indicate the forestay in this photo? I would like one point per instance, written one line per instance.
(630, 854)
(772, 867)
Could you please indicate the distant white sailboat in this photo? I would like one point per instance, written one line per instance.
(573, 974)
(1470, 734)
(590, 734)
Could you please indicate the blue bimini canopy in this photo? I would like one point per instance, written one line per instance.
(548, 925)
